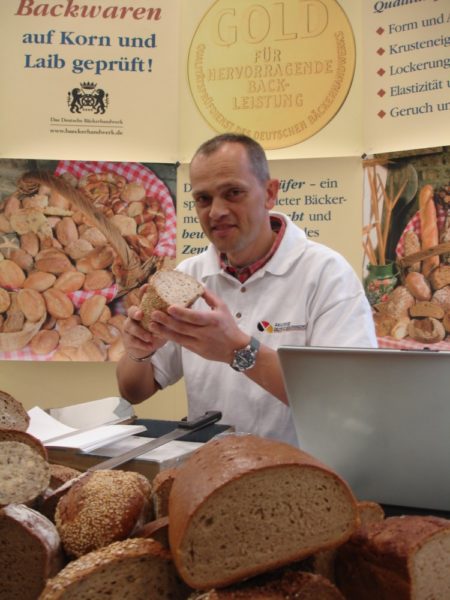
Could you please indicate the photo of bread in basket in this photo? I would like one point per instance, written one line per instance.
(75, 244)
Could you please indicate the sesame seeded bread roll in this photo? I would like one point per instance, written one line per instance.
(12, 413)
(24, 470)
(30, 552)
(288, 586)
(398, 558)
(166, 288)
(137, 569)
(257, 504)
(100, 508)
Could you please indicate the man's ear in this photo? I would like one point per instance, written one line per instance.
(272, 193)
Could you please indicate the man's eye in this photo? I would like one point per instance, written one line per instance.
(234, 194)
(202, 201)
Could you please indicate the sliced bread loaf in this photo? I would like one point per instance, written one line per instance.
(398, 558)
(12, 413)
(102, 507)
(24, 470)
(256, 504)
(137, 569)
(166, 288)
(30, 552)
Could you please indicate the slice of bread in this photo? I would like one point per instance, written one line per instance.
(256, 504)
(404, 557)
(30, 552)
(166, 288)
(12, 413)
(24, 470)
(137, 569)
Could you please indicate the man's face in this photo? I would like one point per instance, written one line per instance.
(232, 203)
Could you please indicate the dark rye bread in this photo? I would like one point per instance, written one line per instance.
(30, 552)
(399, 558)
(288, 586)
(24, 470)
(137, 569)
(102, 507)
(256, 505)
(12, 413)
(161, 486)
(157, 530)
(166, 288)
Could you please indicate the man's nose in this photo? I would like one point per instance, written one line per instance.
(219, 208)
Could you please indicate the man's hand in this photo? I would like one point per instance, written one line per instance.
(212, 334)
(138, 341)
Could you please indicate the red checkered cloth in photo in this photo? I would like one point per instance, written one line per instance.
(414, 225)
(409, 344)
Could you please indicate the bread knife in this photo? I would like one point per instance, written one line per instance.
(184, 427)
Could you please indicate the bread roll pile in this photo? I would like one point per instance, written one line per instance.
(49, 250)
(241, 518)
(419, 308)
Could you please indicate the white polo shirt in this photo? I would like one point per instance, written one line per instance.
(306, 295)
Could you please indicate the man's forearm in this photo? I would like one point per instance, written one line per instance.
(267, 373)
(135, 380)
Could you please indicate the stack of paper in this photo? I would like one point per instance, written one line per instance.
(55, 434)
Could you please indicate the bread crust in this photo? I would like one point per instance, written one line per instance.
(12, 413)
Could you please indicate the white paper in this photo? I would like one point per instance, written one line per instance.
(96, 412)
(45, 428)
(169, 451)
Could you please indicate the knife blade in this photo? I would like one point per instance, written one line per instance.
(184, 427)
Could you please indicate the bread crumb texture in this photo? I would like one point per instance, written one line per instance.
(24, 473)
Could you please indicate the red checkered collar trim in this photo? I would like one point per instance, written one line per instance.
(243, 273)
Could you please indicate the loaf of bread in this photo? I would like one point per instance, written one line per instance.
(102, 507)
(290, 585)
(166, 288)
(399, 558)
(429, 233)
(417, 285)
(137, 569)
(30, 552)
(12, 413)
(411, 245)
(156, 530)
(426, 308)
(24, 470)
(398, 303)
(256, 504)
(440, 277)
(161, 486)
(427, 331)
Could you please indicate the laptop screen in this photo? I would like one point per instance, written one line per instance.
(379, 418)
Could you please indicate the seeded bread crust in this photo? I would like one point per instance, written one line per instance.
(12, 413)
(166, 288)
(399, 558)
(31, 552)
(100, 508)
(280, 503)
(138, 569)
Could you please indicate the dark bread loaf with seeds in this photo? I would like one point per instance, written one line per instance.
(257, 504)
(12, 413)
(24, 470)
(102, 507)
(30, 552)
(137, 569)
(166, 288)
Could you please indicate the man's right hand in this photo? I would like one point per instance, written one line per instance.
(138, 342)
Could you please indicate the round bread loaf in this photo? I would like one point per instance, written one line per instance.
(30, 552)
(12, 413)
(242, 505)
(24, 470)
(287, 586)
(426, 331)
(136, 568)
(102, 507)
(166, 288)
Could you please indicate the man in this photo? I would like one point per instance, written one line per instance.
(266, 285)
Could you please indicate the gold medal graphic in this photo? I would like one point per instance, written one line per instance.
(276, 71)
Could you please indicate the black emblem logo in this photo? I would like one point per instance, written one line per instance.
(87, 98)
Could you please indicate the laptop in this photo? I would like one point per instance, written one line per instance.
(379, 418)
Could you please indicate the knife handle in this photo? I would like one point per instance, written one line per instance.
(210, 417)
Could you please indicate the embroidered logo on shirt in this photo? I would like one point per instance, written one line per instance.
(279, 327)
